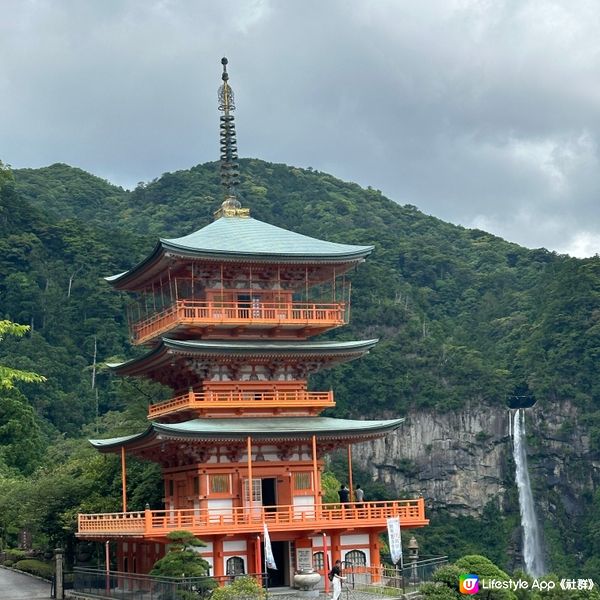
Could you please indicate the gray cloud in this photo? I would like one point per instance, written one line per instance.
(483, 113)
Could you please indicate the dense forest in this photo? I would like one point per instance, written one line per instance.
(462, 316)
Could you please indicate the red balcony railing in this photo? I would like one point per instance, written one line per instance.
(250, 400)
(235, 314)
(153, 523)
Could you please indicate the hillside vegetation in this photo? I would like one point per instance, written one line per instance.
(462, 316)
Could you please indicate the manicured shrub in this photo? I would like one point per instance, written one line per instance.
(14, 555)
(243, 588)
(35, 567)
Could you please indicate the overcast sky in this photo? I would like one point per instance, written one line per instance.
(483, 113)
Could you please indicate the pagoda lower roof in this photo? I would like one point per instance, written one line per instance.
(275, 429)
(240, 239)
(158, 362)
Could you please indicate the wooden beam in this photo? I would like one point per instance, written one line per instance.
(258, 563)
(315, 467)
(326, 563)
(249, 450)
(124, 478)
(350, 482)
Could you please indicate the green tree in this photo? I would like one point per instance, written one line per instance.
(182, 560)
(9, 376)
(445, 581)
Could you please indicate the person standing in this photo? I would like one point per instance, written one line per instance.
(359, 496)
(336, 578)
(344, 494)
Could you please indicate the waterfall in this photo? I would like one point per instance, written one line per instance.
(532, 546)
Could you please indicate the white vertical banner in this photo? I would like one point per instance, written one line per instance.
(393, 527)
(269, 558)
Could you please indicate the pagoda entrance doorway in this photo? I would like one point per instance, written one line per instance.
(269, 495)
(264, 495)
(280, 577)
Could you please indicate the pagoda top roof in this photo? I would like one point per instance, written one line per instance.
(264, 429)
(240, 239)
(158, 362)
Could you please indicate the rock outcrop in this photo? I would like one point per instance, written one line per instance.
(461, 460)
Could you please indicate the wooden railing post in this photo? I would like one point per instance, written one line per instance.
(147, 520)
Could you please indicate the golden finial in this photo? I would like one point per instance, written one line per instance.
(231, 206)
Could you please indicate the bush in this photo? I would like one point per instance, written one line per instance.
(243, 588)
(36, 567)
(14, 555)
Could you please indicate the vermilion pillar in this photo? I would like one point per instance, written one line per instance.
(326, 563)
(218, 557)
(375, 558)
(249, 451)
(124, 478)
(315, 468)
(350, 482)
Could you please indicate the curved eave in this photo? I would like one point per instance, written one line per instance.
(156, 262)
(268, 429)
(270, 257)
(165, 351)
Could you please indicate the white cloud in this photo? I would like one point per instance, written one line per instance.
(477, 111)
(583, 243)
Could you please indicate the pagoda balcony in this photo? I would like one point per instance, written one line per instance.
(199, 318)
(298, 402)
(155, 524)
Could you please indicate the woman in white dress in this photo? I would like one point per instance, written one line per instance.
(337, 579)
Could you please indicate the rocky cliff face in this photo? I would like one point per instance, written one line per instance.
(460, 461)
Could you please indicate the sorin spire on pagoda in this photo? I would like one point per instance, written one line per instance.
(231, 206)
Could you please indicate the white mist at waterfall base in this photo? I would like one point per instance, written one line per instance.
(532, 546)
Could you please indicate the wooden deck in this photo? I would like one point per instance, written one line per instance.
(232, 315)
(203, 522)
(290, 402)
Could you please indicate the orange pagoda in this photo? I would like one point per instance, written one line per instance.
(227, 314)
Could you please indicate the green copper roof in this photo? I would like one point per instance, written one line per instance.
(247, 236)
(244, 238)
(257, 428)
(161, 358)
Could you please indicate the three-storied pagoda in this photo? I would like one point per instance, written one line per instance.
(226, 313)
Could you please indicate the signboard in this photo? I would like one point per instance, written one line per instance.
(304, 559)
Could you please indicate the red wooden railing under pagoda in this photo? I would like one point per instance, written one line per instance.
(292, 315)
(158, 523)
(251, 401)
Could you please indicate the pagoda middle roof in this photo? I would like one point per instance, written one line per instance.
(162, 356)
(241, 239)
(235, 429)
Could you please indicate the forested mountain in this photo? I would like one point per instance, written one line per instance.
(463, 316)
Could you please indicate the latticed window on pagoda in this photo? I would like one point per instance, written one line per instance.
(303, 480)
(318, 561)
(219, 484)
(235, 566)
(356, 558)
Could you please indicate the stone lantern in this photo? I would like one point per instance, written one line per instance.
(413, 557)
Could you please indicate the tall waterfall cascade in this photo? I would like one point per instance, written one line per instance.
(532, 544)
